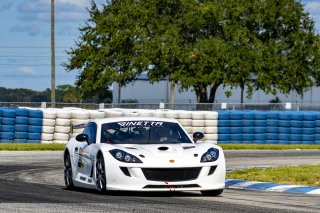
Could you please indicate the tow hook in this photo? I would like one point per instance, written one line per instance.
(172, 188)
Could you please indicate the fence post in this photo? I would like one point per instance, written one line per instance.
(161, 105)
(101, 106)
(43, 105)
(288, 105)
(223, 105)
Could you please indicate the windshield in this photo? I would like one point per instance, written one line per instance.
(143, 132)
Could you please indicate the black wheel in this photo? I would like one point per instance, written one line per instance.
(100, 175)
(68, 181)
(212, 192)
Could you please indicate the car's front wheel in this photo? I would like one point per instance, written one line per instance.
(100, 175)
(212, 192)
(68, 172)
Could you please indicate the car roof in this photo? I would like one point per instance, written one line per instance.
(119, 119)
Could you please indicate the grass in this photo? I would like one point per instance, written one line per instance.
(296, 175)
(31, 147)
(268, 146)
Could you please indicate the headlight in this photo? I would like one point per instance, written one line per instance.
(124, 156)
(211, 155)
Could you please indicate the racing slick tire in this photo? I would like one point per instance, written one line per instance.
(101, 175)
(212, 192)
(68, 181)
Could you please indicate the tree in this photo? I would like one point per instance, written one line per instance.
(68, 93)
(71, 94)
(265, 44)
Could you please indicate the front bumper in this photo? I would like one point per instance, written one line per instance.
(165, 177)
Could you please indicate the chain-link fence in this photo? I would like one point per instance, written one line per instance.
(180, 106)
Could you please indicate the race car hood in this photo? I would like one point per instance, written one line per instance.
(178, 152)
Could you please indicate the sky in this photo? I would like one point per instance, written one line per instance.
(25, 39)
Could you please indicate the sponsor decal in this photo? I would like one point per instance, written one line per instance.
(140, 123)
(83, 151)
(80, 164)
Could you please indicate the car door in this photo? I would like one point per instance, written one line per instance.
(85, 163)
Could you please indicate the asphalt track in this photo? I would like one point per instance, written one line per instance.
(32, 182)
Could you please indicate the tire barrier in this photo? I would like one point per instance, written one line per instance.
(27, 125)
(272, 127)
(8, 128)
(96, 114)
(117, 113)
(8, 121)
(172, 114)
(158, 114)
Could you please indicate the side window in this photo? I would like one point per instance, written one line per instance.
(91, 131)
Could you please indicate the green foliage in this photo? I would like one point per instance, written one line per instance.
(276, 100)
(71, 94)
(23, 95)
(267, 44)
(64, 93)
(129, 101)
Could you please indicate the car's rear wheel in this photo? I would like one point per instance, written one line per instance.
(212, 192)
(100, 175)
(68, 172)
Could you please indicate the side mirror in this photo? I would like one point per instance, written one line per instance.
(82, 138)
(197, 136)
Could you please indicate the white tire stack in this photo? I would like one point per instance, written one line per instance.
(62, 126)
(185, 119)
(126, 112)
(135, 113)
(96, 114)
(48, 124)
(145, 113)
(159, 113)
(172, 114)
(130, 113)
(198, 121)
(114, 113)
(79, 117)
(211, 126)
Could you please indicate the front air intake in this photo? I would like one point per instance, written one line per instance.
(171, 174)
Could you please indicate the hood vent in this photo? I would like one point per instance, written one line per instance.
(189, 147)
(163, 148)
(130, 148)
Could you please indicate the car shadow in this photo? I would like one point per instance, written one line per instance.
(141, 194)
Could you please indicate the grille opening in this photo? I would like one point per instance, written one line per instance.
(171, 174)
(125, 171)
(212, 169)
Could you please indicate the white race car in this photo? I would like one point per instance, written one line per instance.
(143, 154)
